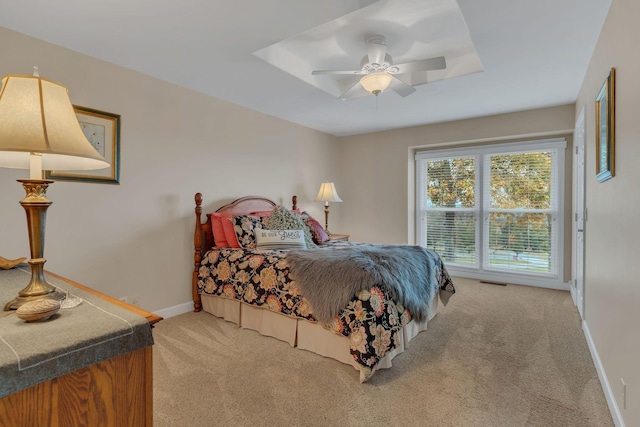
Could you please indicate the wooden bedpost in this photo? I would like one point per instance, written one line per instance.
(197, 255)
(294, 202)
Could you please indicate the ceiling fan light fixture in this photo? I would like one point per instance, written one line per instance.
(376, 83)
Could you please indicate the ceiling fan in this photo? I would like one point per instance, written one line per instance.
(379, 72)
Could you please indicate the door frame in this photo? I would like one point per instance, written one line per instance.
(579, 212)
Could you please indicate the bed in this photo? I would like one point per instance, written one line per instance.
(255, 288)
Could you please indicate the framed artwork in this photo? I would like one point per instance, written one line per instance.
(605, 129)
(102, 129)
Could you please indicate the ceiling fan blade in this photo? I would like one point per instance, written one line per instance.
(401, 87)
(437, 63)
(353, 90)
(376, 50)
(317, 72)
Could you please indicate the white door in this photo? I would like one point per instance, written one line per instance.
(579, 212)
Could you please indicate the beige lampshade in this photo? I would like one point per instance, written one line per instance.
(36, 117)
(376, 83)
(328, 193)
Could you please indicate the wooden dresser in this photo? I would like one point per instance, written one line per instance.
(112, 392)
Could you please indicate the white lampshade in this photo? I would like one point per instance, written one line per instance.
(376, 83)
(37, 121)
(328, 193)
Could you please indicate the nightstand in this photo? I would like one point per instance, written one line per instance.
(344, 237)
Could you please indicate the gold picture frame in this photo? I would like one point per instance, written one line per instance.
(605, 129)
(102, 129)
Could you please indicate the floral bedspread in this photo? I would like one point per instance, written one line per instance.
(371, 320)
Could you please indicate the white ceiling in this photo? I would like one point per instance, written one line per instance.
(533, 53)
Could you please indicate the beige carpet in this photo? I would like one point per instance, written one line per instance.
(495, 356)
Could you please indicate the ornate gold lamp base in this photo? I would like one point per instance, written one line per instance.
(37, 289)
(326, 219)
(35, 206)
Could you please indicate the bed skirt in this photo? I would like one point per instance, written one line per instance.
(302, 333)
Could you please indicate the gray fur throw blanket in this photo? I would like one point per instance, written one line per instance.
(330, 278)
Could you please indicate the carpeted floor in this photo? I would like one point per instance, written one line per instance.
(495, 356)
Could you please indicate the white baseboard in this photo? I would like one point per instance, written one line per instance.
(175, 310)
(604, 381)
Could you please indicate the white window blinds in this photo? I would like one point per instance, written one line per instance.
(521, 200)
(448, 213)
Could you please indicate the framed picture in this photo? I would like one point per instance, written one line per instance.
(605, 129)
(103, 132)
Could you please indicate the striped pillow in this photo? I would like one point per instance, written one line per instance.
(279, 239)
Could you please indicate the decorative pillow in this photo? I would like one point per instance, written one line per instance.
(282, 218)
(218, 230)
(317, 231)
(230, 232)
(279, 239)
(244, 227)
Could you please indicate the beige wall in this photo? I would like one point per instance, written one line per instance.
(377, 169)
(612, 233)
(135, 239)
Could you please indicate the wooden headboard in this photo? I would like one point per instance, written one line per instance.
(203, 236)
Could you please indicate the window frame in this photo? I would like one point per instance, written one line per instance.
(553, 279)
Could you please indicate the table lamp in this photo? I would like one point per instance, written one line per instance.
(39, 129)
(327, 194)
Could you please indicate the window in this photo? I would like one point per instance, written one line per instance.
(494, 212)
(449, 208)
